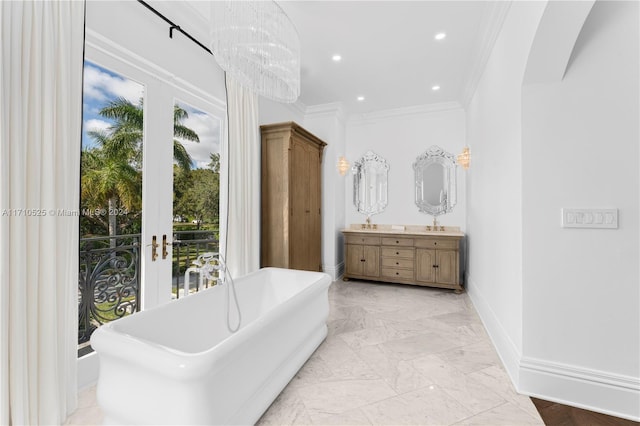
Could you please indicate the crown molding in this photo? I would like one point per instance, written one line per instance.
(494, 19)
(297, 107)
(371, 117)
(333, 109)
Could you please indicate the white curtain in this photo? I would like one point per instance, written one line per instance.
(243, 174)
(41, 51)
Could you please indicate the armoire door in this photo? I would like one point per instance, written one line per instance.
(305, 238)
(300, 205)
(314, 241)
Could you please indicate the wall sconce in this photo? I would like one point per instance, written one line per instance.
(343, 165)
(464, 158)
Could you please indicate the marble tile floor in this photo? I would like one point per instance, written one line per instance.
(394, 355)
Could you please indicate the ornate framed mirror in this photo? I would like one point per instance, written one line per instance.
(435, 182)
(370, 184)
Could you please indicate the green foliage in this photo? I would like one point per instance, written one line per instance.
(110, 186)
(111, 172)
(196, 195)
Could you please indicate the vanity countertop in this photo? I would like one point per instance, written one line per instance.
(449, 231)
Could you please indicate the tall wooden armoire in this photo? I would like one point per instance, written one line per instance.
(291, 234)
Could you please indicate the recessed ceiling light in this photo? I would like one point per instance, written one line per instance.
(440, 36)
(360, 98)
(436, 87)
(336, 58)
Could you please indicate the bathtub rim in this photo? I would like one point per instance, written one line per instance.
(183, 365)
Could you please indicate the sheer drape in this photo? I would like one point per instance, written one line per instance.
(243, 227)
(41, 50)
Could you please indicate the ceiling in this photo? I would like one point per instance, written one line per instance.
(389, 52)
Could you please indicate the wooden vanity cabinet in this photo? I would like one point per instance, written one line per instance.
(437, 266)
(398, 259)
(363, 256)
(425, 260)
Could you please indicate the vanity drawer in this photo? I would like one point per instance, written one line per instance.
(397, 252)
(437, 243)
(363, 239)
(393, 262)
(405, 242)
(406, 274)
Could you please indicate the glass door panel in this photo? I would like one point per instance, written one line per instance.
(111, 200)
(196, 195)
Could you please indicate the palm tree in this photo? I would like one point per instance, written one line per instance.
(110, 180)
(126, 133)
(112, 171)
(180, 154)
(214, 164)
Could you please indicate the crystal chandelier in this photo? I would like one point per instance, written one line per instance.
(258, 45)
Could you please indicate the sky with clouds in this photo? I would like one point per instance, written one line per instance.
(102, 86)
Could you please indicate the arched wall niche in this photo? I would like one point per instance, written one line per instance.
(555, 38)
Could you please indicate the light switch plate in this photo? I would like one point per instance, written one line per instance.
(590, 218)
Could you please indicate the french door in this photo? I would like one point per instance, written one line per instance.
(139, 244)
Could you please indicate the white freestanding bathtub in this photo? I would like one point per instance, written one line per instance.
(179, 364)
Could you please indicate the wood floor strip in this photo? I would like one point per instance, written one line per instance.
(554, 414)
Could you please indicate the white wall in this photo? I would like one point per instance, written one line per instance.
(274, 112)
(494, 211)
(327, 123)
(581, 293)
(399, 138)
(138, 30)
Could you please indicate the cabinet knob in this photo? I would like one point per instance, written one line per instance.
(397, 242)
(361, 260)
(397, 263)
(397, 273)
(397, 252)
(435, 243)
(435, 266)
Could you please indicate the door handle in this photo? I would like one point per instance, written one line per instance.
(165, 253)
(154, 248)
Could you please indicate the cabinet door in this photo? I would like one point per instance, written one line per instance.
(363, 261)
(314, 234)
(355, 256)
(371, 261)
(299, 210)
(447, 266)
(425, 261)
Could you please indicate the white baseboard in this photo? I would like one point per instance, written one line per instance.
(593, 390)
(506, 349)
(88, 367)
(335, 271)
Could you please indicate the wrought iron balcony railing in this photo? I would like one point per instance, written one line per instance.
(109, 277)
(108, 283)
(187, 246)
